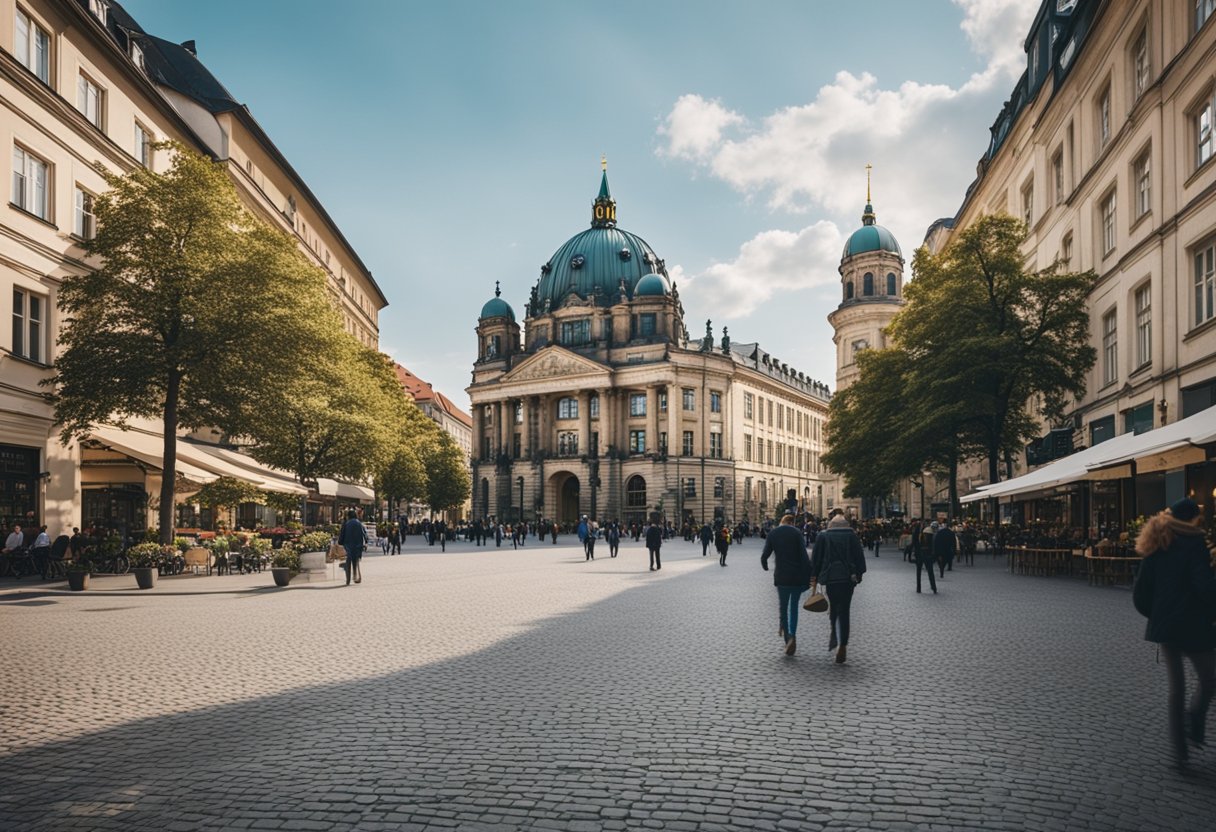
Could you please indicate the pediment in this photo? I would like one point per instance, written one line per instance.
(554, 362)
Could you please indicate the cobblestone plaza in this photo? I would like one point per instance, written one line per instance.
(488, 688)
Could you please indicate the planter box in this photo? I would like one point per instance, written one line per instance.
(282, 575)
(312, 567)
(145, 576)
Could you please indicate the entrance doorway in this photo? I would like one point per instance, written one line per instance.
(635, 501)
(567, 498)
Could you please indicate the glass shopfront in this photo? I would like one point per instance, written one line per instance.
(122, 507)
(18, 486)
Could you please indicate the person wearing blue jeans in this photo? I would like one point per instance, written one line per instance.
(791, 575)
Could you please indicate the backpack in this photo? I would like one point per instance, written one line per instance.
(1144, 586)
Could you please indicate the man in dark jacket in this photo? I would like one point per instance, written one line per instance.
(707, 537)
(654, 542)
(945, 547)
(614, 539)
(838, 563)
(353, 538)
(922, 553)
(791, 576)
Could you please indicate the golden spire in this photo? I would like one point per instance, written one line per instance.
(868, 167)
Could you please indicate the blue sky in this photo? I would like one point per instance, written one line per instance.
(458, 143)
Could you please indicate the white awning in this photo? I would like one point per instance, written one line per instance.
(327, 487)
(148, 448)
(204, 457)
(1171, 446)
(346, 490)
(268, 479)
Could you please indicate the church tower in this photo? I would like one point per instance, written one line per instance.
(872, 292)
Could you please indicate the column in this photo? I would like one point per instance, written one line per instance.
(544, 439)
(605, 425)
(652, 416)
(584, 422)
(478, 428)
(496, 430)
(675, 436)
(525, 430)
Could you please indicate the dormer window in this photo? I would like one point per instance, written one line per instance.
(98, 9)
(137, 56)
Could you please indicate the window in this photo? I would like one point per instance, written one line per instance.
(715, 402)
(747, 447)
(690, 487)
(1142, 177)
(1066, 249)
(859, 346)
(747, 489)
(637, 441)
(576, 332)
(1108, 222)
(84, 224)
(780, 414)
(567, 443)
(1140, 64)
(516, 446)
(1028, 203)
(719, 486)
(143, 145)
(28, 330)
(567, 408)
(637, 404)
(687, 443)
(594, 407)
(760, 415)
(867, 284)
(1203, 133)
(137, 56)
(1205, 282)
(1101, 429)
(1144, 325)
(1203, 11)
(789, 419)
(98, 9)
(1057, 175)
(891, 287)
(33, 47)
(715, 445)
(780, 455)
(89, 99)
(848, 290)
(1110, 347)
(635, 493)
(690, 399)
(1104, 118)
(770, 411)
(662, 401)
(1139, 419)
(492, 346)
(663, 442)
(748, 405)
(519, 413)
(31, 183)
(646, 324)
(768, 454)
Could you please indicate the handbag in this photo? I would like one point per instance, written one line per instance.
(815, 602)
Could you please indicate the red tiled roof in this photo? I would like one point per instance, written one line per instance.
(422, 391)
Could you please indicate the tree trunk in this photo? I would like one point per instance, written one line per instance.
(168, 480)
(954, 486)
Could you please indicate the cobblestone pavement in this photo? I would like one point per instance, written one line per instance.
(486, 688)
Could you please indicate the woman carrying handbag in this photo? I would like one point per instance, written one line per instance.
(1176, 590)
(838, 562)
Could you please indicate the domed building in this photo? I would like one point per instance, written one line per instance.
(872, 289)
(600, 404)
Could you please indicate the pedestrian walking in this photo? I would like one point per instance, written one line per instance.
(945, 547)
(922, 554)
(614, 540)
(791, 576)
(722, 543)
(353, 538)
(707, 537)
(654, 542)
(838, 563)
(1175, 588)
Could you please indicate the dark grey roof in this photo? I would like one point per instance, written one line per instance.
(177, 67)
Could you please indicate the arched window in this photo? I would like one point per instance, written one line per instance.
(567, 408)
(635, 493)
(867, 285)
(890, 283)
(848, 290)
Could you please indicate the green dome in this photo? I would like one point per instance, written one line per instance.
(496, 307)
(870, 237)
(652, 285)
(595, 261)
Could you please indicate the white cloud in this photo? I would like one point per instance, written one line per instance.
(770, 265)
(923, 140)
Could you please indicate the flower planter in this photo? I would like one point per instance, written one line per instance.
(145, 576)
(78, 581)
(282, 575)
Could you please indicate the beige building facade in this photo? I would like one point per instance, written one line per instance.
(1106, 151)
(601, 405)
(82, 83)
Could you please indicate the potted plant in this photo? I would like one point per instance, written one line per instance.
(145, 560)
(78, 575)
(285, 563)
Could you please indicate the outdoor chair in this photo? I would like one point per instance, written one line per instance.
(198, 558)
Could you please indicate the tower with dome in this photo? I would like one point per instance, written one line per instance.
(872, 292)
(603, 404)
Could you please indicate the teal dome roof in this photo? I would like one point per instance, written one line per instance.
(870, 237)
(496, 307)
(652, 285)
(596, 261)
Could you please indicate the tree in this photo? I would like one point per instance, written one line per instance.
(227, 493)
(342, 419)
(405, 476)
(197, 311)
(986, 335)
(448, 482)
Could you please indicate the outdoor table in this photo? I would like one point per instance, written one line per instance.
(1105, 570)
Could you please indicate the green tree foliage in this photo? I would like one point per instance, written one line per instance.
(404, 477)
(196, 313)
(227, 493)
(448, 482)
(986, 335)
